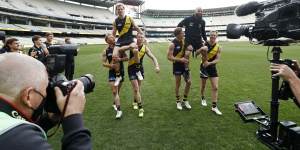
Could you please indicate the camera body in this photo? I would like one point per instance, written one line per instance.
(55, 64)
(280, 18)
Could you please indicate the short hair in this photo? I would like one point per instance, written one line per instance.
(10, 41)
(177, 31)
(106, 36)
(35, 38)
(48, 34)
(120, 4)
(213, 31)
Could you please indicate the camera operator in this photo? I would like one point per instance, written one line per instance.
(22, 94)
(11, 45)
(37, 51)
(70, 65)
(289, 75)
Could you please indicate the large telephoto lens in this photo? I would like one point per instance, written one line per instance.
(88, 82)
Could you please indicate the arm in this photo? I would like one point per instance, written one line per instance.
(127, 47)
(288, 75)
(182, 23)
(114, 30)
(203, 31)
(153, 58)
(174, 59)
(137, 28)
(104, 60)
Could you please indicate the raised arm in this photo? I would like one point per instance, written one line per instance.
(136, 27)
(114, 30)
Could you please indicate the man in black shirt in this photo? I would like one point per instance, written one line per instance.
(194, 30)
(11, 45)
(37, 50)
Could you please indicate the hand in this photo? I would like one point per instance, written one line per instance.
(183, 60)
(132, 45)
(157, 69)
(206, 63)
(283, 71)
(33, 53)
(117, 59)
(46, 52)
(113, 66)
(76, 102)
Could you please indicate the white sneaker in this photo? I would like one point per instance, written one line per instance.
(179, 107)
(187, 104)
(141, 113)
(216, 110)
(117, 81)
(115, 107)
(139, 75)
(119, 114)
(135, 106)
(203, 102)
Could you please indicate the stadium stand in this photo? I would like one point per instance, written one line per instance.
(93, 19)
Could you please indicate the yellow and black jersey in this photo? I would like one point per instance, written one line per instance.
(212, 51)
(178, 50)
(141, 54)
(124, 27)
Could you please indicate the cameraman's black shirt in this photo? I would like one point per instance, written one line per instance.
(194, 28)
(4, 50)
(40, 53)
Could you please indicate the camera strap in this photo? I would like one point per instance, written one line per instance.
(63, 112)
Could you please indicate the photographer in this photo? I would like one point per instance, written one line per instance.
(22, 95)
(287, 74)
(37, 50)
(11, 45)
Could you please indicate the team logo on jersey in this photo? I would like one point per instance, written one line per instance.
(120, 24)
(109, 54)
(177, 47)
(191, 24)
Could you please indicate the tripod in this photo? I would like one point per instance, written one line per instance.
(269, 135)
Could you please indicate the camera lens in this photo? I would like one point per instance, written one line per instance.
(88, 82)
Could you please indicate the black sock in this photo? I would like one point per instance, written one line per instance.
(140, 105)
(184, 97)
(114, 103)
(118, 74)
(118, 107)
(214, 104)
(202, 97)
(135, 101)
(177, 99)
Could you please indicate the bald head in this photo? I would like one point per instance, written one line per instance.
(19, 71)
(198, 12)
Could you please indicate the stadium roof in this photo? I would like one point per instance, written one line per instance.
(110, 3)
(180, 13)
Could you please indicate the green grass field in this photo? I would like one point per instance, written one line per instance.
(244, 74)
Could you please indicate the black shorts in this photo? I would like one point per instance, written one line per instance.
(121, 42)
(196, 43)
(179, 69)
(112, 75)
(208, 72)
(132, 70)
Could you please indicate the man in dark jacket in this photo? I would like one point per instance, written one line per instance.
(194, 30)
(22, 93)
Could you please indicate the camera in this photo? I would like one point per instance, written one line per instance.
(55, 64)
(274, 20)
(279, 18)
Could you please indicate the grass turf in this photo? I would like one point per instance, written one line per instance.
(244, 74)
